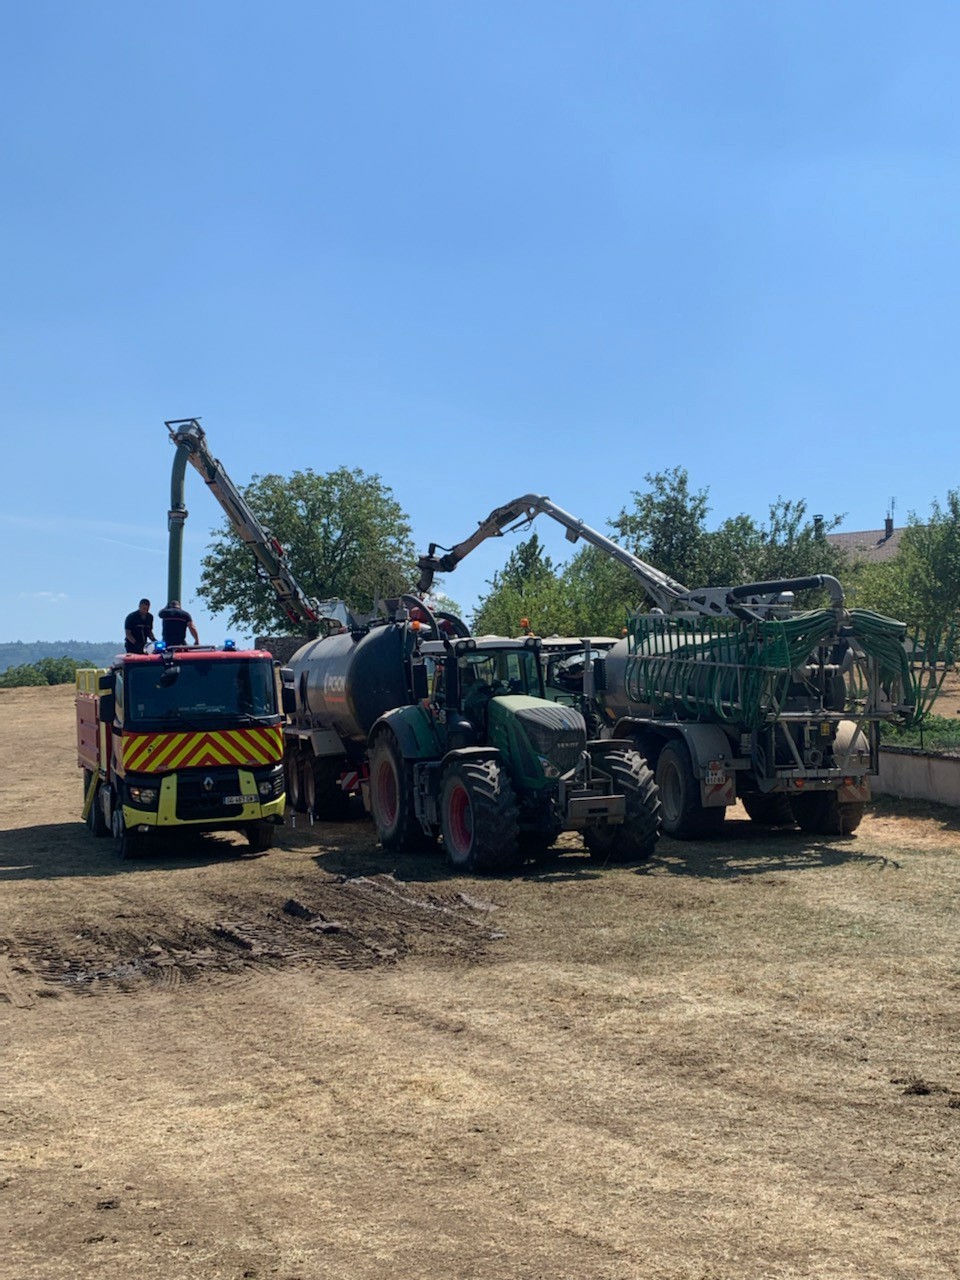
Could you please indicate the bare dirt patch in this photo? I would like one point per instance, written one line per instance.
(737, 1061)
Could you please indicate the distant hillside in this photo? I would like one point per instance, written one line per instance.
(17, 654)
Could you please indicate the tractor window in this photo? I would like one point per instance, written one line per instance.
(502, 671)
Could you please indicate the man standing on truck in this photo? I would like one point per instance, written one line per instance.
(176, 622)
(138, 628)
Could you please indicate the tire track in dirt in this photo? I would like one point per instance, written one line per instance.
(350, 923)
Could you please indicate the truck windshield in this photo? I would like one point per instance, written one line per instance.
(502, 670)
(216, 689)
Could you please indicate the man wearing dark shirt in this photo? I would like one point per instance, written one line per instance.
(176, 622)
(138, 628)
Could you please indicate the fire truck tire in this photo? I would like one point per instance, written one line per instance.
(684, 817)
(636, 838)
(260, 836)
(129, 844)
(96, 822)
(822, 813)
(478, 818)
(293, 778)
(391, 797)
(769, 811)
(323, 795)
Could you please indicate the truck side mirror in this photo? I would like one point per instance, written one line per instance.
(288, 699)
(108, 708)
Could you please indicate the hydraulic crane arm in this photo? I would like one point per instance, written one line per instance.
(663, 590)
(750, 600)
(191, 442)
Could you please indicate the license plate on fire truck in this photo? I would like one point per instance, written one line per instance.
(240, 799)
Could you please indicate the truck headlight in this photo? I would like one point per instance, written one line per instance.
(145, 797)
(265, 788)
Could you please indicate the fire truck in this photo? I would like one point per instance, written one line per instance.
(179, 739)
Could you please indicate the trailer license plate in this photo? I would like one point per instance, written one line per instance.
(715, 777)
(240, 799)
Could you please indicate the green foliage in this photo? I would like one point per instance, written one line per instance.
(667, 526)
(18, 653)
(921, 585)
(935, 733)
(45, 672)
(526, 587)
(344, 535)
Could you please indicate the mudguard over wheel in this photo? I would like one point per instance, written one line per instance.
(684, 817)
(96, 822)
(637, 837)
(323, 795)
(821, 812)
(391, 797)
(478, 817)
(772, 810)
(260, 836)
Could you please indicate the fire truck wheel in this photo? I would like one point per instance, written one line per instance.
(129, 844)
(260, 836)
(96, 822)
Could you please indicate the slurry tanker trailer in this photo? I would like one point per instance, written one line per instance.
(730, 692)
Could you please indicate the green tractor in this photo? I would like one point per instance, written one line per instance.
(488, 763)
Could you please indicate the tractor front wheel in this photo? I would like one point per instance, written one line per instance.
(635, 839)
(478, 818)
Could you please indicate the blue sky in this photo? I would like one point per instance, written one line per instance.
(479, 249)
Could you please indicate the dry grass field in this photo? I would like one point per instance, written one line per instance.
(738, 1061)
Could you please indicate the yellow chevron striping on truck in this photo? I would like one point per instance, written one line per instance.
(164, 752)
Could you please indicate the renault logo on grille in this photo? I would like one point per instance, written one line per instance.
(208, 783)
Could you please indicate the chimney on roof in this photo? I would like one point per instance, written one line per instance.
(888, 528)
(818, 526)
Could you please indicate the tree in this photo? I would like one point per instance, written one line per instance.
(344, 534)
(921, 586)
(789, 545)
(526, 587)
(667, 526)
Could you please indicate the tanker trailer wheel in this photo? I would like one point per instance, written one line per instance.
(322, 793)
(684, 817)
(391, 797)
(478, 817)
(636, 839)
(822, 813)
(293, 778)
(96, 822)
(772, 810)
(259, 836)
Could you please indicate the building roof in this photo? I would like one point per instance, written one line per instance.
(870, 545)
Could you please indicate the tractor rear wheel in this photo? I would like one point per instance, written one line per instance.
(323, 795)
(391, 797)
(636, 839)
(822, 813)
(772, 810)
(684, 817)
(478, 817)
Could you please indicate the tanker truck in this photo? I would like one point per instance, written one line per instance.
(445, 734)
(729, 692)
